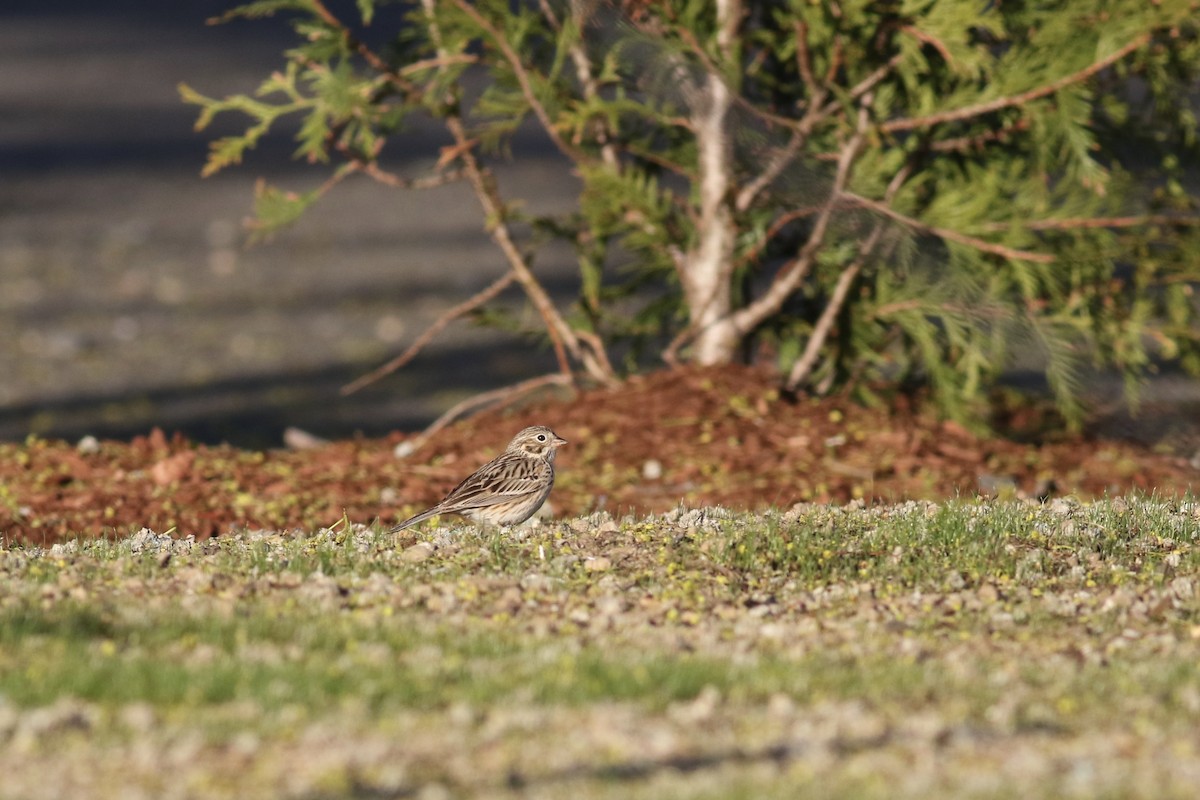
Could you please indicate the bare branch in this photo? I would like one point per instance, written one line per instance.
(963, 144)
(930, 39)
(467, 306)
(374, 171)
(368, 165)
(437, 63)
(871, 81)
(979, 109)
(562, 336)
(494, 397)
(804, 61)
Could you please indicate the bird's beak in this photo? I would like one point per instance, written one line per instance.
(559, 441)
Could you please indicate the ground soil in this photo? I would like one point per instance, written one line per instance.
(691, 436)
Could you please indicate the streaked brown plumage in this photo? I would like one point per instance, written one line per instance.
(508, 489)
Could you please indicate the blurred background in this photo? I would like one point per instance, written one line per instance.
(128, 298)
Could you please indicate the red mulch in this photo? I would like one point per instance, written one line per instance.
(719, 436)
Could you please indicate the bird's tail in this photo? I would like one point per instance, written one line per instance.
(417, 520)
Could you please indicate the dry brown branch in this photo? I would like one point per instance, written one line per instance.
(467, 306)
(949, 235)
(658, 160)
(562, 336)
(369, 165)
(963, 144)
(804, 60)
(871, 81)
(374, 171)
(437, 63)
(929, 39)
(835, 61)
(597, 347)
(490, 398)
(979, 109)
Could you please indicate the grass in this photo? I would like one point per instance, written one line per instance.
(958, 649)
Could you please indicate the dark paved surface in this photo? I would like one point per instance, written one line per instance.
(127, 298)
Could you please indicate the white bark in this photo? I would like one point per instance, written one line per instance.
(708, 267)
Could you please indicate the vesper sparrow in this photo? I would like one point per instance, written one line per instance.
(507, 490)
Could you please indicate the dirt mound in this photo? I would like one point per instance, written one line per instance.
(692, 436)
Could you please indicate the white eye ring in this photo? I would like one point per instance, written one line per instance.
(541, 437)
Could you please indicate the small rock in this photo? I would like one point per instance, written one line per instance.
(597, 564)
(172, 468)
(781, 706)
(610, 605)
(138, 717)
(296, 439)
(88, 445)
(652, 470)
(1062, 506)
(418, 552)
(700, 708)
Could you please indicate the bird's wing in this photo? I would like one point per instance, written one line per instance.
(498, 482)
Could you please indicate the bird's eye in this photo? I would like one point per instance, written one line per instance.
(541, 437)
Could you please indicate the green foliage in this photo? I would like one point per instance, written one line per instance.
(1025, 165)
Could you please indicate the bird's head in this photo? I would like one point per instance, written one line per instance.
(536, 442)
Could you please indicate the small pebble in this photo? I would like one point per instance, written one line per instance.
(418, 552)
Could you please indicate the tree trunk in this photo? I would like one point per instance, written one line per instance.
(708, 267)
